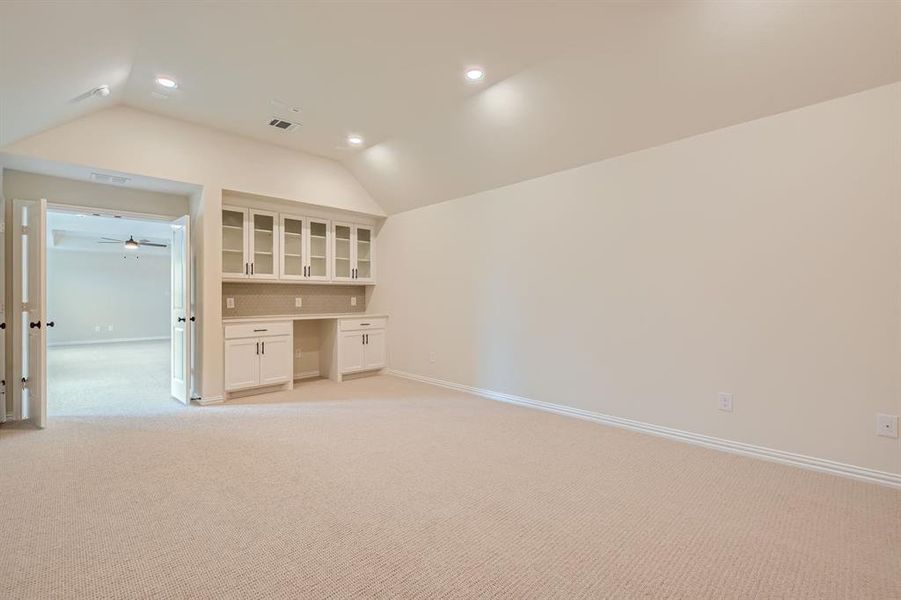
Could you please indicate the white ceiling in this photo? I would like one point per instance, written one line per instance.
(78, 231)
(568, 83)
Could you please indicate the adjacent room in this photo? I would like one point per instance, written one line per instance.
(441, 299)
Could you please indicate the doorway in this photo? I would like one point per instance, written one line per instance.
(104, 312)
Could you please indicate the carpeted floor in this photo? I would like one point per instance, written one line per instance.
(90, 379)
(386, 488)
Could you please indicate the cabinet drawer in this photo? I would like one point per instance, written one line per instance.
(362, 324)
(253, 330)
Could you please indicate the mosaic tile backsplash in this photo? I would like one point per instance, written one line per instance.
(263, 299)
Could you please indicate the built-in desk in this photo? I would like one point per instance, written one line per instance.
(274, 351)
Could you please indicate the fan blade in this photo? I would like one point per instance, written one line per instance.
(154, 245)
(109, 243)
(112, 240)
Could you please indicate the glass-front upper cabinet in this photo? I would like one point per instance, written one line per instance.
(354, 253)
(304, 248)
(318, 249)
(235, 259)
(264, 245)
(294, 260)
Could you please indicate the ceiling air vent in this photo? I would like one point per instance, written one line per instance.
(115, 179)
(283, 125)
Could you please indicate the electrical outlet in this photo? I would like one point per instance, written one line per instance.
(96, 327)
(109, 327)
(229, 303)
(431, 357)
(887, 425)
(298, 354)
(725, 401)
(353, 300)
(298, 303)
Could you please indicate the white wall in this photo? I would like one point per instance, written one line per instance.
(87, 289)
(133, 141)
(761, 259)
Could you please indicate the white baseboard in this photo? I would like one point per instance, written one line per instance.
(306, 375)
(780, 456)
(209, 400)
(109, 341)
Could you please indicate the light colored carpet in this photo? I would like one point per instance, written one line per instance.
(385, 488)
(126, 378)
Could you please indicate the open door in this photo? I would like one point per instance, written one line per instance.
(29, 315)
(181, 308)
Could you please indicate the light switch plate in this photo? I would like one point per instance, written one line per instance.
(353, 300)
(298, 303)
(229, 303)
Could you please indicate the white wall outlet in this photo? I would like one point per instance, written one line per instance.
(298, 354)
(229, 303)
(725, 399)
(887, 425)
(353, 300)
(431, 357)
(109, 327)
(298, 302)
(96, 327)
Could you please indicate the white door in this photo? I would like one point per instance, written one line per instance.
(242, 363)
(235, 256)
(351, 358)
(181, 308)
(374, 349)
(263, 232)
(276, 362)
(30, 309)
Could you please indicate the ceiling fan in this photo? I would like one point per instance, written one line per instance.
(131, 243)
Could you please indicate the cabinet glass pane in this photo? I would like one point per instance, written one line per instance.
(232, 241)
(293, 247)
(364, 253)
(342, 251)
(263, 244)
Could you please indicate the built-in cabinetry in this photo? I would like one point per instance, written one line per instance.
(264, 245)
(258, 355)
(362, 346)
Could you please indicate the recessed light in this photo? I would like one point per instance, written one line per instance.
(102, 91)
(355, 140)
(475, 74)
(167, 82)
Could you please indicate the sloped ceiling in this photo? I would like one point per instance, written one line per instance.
(567, 84)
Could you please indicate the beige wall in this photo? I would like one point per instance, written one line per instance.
(761, 259)
(133, 141)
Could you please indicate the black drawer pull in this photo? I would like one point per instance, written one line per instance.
(257, 330)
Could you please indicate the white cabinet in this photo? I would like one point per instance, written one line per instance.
(362, 345)
(258, 354)
(305, 249)
(250, 243)
(353, 252)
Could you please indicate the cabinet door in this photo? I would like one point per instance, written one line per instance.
(374, 349)
(235, 256)
(242, 364)
(276, 363)
(364, 254)
(263, 234)
(342, 252)
(293, 252)
(318, 249)
(351, 353)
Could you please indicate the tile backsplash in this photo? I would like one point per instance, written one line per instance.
(263, 299)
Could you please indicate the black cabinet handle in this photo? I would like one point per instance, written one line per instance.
(246, 269)
(33, 325)
(51, 323)
(2, 325)
(181, 319)
(264, 347)
(251, 268)
(258, 348)
(193, 319)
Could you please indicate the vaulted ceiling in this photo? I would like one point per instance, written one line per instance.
(567, 83)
